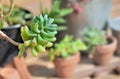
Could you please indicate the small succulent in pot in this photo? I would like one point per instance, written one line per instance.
(66, 53)
(92, 37)
(101, 45)
(67, 47)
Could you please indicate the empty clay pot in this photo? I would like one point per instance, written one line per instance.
(65, 66)
(103, 53)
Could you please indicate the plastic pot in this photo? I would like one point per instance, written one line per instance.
(7, 50)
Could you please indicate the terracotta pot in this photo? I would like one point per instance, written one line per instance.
(65, 67)
(9, 73)
(103, 53)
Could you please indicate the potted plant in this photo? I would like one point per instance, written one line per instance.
(37, 36)
(58, 14)
(65, 56)
(101, 45)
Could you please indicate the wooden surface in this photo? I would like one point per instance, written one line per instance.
(115, 12)
(31, 5)
(41, 68)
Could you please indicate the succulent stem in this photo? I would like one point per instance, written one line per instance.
(5, 37)
(2, 19)
(10, 10)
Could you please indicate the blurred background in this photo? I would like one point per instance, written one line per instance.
(34, 6)
(94, 13)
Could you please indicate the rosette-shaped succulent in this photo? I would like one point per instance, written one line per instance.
(38, 36)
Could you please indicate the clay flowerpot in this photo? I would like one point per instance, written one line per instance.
(9, 73)
(103, 53)
(65, 66)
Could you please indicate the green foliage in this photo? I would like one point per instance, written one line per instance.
(66, 47)
(39, 35)
(58, 13)
(1, 25)
(18, 16)
(93, 37)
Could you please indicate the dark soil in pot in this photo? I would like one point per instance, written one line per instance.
(65, 66)
(7, 50)
(103, 53)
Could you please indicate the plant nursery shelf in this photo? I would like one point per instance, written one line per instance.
(41, 68)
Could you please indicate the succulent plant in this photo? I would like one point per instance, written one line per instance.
(5, 15)
(18, 16)
(39, 35)
(67, 47)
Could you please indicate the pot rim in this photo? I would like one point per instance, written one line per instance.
(110, 46)
(12, 27)
(66, 61)
(67, 58)
(113, 41)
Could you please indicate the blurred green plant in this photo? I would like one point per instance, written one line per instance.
(93, 37)
(67, 47)
(4, 15)
(58, 14)
(18, 16)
